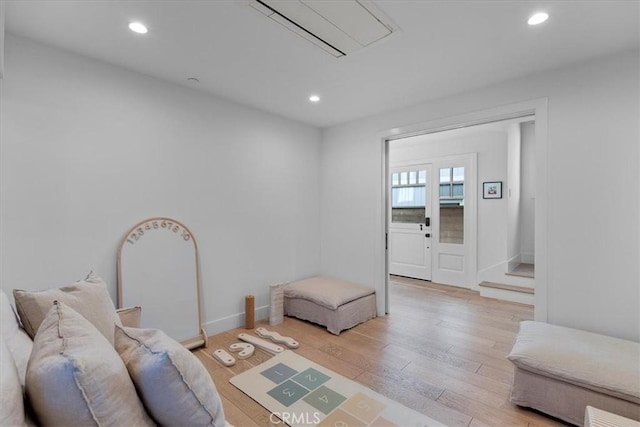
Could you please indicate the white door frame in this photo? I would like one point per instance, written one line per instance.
(536, 107)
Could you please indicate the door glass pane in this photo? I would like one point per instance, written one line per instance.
(458, 174)
(452, 207)
(408, 215)
(408, 197)
(404, 178)
(445, 175)
(458, 190)
(452, 224)
(407, 204)
(445, 190)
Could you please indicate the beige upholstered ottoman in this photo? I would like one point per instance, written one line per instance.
(333, 303)
(560, 371)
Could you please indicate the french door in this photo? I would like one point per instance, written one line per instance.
(432, 220)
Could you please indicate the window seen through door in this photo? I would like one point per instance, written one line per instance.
(452, 205)
(408, 193)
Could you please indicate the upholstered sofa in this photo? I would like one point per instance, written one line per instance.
(67, 357)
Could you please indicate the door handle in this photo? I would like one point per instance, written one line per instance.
(427, 221)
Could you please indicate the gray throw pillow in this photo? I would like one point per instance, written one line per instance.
(75, 376)
(173, 384)
(89, 297)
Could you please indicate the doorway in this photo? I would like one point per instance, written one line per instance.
(489, 223)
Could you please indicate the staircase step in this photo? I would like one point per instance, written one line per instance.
(520, 274)
(519, 294)
(523, 270)
(523, 289)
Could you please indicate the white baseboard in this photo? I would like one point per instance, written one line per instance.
(237, 320)
(528, 257)
(513, 262)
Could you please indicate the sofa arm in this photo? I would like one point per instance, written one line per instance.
(130, 316)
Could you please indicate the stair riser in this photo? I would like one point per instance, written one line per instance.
(505, 295)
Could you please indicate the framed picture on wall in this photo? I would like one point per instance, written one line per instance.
(492, 190)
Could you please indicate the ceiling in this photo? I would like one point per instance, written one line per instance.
(439, 48)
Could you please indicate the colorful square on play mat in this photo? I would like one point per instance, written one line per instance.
(311, 379)
(341, 418)
(363, 407)
(382, 422)
(324, 399)
(288, 393)
(278, 373)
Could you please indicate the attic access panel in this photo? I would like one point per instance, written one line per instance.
(337, 27)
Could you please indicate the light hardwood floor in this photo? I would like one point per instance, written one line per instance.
(441, 351)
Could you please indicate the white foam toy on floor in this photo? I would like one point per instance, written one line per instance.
(263, 344)
(243, 349)
(277, 338)
(223, 357)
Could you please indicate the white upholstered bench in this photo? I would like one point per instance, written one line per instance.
(560, 371)
(333, 303)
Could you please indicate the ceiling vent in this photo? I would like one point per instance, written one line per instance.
(337, 27)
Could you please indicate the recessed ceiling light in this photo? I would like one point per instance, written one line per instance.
(538, 18)
(314, 98)
(138, 27)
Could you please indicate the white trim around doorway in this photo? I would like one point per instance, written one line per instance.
(538, 108)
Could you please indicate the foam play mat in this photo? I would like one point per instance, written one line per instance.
(302, 393)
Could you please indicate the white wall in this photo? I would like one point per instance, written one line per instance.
(2, 32)
(592, 273)
(491, 147)
(527, 192)
(511, 192)
(88, 150)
